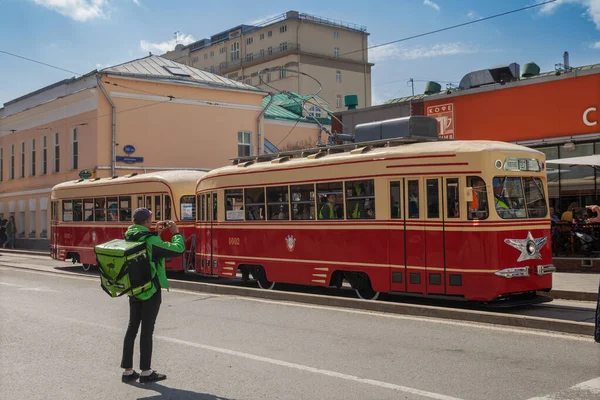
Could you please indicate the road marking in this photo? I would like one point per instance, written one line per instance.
(352, 311)
(9, 284)
(579, 391)
(306, 368)
(34, 289)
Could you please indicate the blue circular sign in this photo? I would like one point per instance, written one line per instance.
(129, 149)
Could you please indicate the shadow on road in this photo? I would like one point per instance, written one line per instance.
(165, 392)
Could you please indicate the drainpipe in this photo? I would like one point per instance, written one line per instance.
(113, 155)
(259, 147)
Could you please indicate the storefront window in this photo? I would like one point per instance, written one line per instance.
(553, 173)
(577, 183)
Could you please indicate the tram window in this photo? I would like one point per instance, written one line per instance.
(234, 205)
(413, 199)
(452, 198)
(100, 209)
(535, 197)
(168, 208)
(331, 202)
(149, 202)
(53, 211)
(157, 208)
(255, 203)
(88, 209)
(199, 208)
(203, 207)
(360, 199)
(215, 208)
(395, 203)
(508, 197)
(112, 209)
(140, 202)
(433, 198)
(124, 209)
(188, 208)
(303, 202)
(278, 203)
(67, 210)
(77, 210)
(478, 205)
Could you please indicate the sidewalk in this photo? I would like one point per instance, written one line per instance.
(565, 285)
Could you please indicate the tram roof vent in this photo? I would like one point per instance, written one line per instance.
(245, 164)
(361, 150)
(79, 180)
(316, 155)
(114, 176)
(131, 175)
(416, 126)
(280, 160)
(96, 179)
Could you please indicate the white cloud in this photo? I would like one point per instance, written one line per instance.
(592, 8)
(473, 15)
(79, 10)
(432, 5)
(595, 45)
(263, 19)
(164, 47)
(137, 2)
(383, 53)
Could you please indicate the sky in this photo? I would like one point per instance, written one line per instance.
(83, 35)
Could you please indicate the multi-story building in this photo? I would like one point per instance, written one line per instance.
(333, 52)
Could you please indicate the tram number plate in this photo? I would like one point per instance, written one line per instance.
(234, 241)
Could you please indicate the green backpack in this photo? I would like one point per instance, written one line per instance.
(124, 267)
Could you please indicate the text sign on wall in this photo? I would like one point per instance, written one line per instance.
(444, 113)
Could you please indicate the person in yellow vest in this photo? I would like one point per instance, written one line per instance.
(327, 209)
(502, 204)
(413, 199)
(358, 191)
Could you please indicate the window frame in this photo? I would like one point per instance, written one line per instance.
(242, 144)
(56, 153)
(349, 210)
(32, 158)
(22, 161)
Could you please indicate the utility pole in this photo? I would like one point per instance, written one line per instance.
(412, 84)
(176, 37)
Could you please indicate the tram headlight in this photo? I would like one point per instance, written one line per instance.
(531, 248)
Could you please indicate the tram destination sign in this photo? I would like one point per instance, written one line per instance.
(129, 159)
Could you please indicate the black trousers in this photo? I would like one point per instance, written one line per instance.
(144, 312)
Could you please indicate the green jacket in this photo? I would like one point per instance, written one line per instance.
(158, 250)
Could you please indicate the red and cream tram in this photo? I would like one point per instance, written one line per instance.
(467, 219)
(85, 213)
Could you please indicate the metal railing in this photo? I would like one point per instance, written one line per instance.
(256, 57)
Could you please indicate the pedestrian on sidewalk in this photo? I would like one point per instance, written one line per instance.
(3, 236)
(11, 233)
(144, 307)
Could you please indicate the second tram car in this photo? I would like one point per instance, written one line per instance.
(466, 219)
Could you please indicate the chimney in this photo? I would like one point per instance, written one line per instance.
(566, 65)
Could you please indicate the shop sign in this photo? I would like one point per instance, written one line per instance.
(130, 160)
(444, 113)
(587, 118)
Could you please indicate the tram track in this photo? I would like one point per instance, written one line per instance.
(558, 316)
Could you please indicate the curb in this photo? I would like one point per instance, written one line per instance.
(521, 321)
(24, 252)
(569, 295)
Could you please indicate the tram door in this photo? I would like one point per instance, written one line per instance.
(210, 262)
(414, 220)
(434, 236)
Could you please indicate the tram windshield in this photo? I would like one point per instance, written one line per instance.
(516, 197)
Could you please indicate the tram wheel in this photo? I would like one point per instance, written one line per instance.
(361, 284)
(367, 294)
(87, 267)
(261, 278)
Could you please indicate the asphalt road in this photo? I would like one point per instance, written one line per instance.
(61, 336)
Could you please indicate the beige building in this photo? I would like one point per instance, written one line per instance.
(142, 116)
(333, 52)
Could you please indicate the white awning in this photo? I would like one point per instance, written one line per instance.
(592, 161)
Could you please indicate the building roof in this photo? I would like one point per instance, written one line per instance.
(282, 105)
(549, 74)
(156, 67)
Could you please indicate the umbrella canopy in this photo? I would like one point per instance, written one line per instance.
(592, 161)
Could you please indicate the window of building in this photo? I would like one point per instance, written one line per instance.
(283, 46)
(278, 207)
(336, 34)
(250, 40)
(255, 203)
(56, 153)
(268, 77)
(395, 200)
(248, 80)
(22, 161)
(282, 74)
(433, 198)
(32, 158)
(262, 36)
(195, 60)
(222, 50)
(74, 150)
(413, 199)
(32, 224)
(477, 205)
(452, 198)
(360, 199)
(283, 29)
(262, 53)
(249, 57)
(270, 51)
(44, 156)
(336, 51)
(338, 101)
(234, 205)
(212, 54)
(235, 51)
(188, 208)
(270, 33)
(314, 111)
(11, 170)
(244, 144)
(331, 200)
(43, 224)
(206, 56)
(1, 164)
(338, 76)
(21, 222)
(303, 202)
